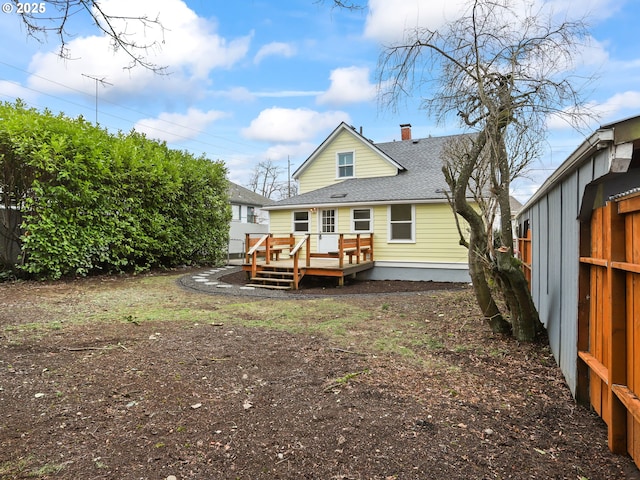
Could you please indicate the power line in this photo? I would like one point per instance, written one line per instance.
(124, 107)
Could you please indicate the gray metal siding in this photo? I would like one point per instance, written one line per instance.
(553, 291)
(555, 263)
(569, 243)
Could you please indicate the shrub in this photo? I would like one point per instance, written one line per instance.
(93, 201)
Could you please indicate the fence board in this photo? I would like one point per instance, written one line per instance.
(612, 267)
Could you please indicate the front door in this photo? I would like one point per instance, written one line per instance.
(328, 238)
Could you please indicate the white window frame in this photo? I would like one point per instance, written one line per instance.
(412, 222)
(353, 164)
(294, 222)
(354, 220)
(236, 212)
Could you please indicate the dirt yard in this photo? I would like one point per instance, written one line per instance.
(138, 378)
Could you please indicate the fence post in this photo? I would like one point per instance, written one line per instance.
(615, 320)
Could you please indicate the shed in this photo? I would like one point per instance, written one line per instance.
(605, 164)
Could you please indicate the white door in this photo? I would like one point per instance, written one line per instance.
(327, 238)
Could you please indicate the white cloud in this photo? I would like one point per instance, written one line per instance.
(188, 45)
(298, 152)
(349, 85)
(284, 125)
(274, 49)
(178, 127)
(388, 21)
(13, 90)
(616, 107)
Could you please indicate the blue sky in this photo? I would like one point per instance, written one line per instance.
(262, 80)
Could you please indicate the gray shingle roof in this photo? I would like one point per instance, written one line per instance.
(243, 196)
(421, 181)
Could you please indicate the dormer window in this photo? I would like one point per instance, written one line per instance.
(345, 165)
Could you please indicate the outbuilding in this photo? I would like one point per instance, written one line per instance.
(580, 243)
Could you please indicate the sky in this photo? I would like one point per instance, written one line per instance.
(256, 80)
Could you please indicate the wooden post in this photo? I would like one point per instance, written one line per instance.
(295, 270)
(341, 251)
(267, 249)
(254, 264)
(615, 321)
(584, 284)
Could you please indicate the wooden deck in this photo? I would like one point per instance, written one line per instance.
(282, 262)
(319, 267)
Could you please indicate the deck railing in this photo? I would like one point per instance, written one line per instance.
(358, 247)
(295, 253)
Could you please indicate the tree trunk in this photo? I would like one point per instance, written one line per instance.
(482, 291)
(524, 315)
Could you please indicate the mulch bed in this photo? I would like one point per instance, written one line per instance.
(353, 286)
(173, 399)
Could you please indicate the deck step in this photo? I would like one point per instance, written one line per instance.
(271, 279)
(270, 287)
(271, 273)
(274, 279)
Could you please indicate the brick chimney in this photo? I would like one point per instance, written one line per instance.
(405, 131)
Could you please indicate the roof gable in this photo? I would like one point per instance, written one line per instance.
(343, 127)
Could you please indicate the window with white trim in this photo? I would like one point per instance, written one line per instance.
(236, 212)
(401, 223)
(361, 219)
(301, 221)
(345, 165)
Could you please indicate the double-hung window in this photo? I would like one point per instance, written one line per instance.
(345, 165)
(401, 223)
(301, 221)
(361, 220)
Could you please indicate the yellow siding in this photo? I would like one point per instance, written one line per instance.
(436, 234)
(322, 171)
(436, 237)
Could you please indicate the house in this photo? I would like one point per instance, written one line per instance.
(247, 217)
(581, 230)
(394, 191)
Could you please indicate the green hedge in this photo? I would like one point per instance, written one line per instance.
(93, 201)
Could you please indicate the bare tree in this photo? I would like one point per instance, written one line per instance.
(501, 69)
(266, 179)
(53, 16)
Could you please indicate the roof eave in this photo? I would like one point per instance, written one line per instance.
(598, 140)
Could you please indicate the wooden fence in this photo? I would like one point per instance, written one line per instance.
(524, 252)
(609, 321)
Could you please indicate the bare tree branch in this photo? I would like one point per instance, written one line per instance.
(57, 13)
(501, 69)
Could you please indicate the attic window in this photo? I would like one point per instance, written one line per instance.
(345, 165)
(338, 195)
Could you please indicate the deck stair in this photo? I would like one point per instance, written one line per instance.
(275, 278)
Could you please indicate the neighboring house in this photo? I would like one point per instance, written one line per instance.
(395, 190)
(557, 220)
(514, 206)
(248, 216)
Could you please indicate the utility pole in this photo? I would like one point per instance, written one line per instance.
(289, 176)
(103, 82)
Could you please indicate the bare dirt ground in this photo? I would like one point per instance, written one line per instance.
(137, 378)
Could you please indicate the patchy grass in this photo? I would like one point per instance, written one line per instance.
(133, 377)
